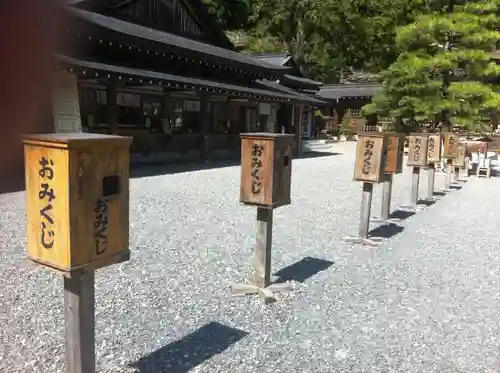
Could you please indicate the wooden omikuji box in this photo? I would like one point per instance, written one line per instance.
(371, 154)
(434, 148)
(266, 169)
(417, 149)
(450, 147)
(483, 147)
(77, 200)
(395, 153)
(459, 160)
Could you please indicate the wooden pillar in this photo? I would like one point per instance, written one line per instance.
(414, 186)
(263, 246)
(167, 106)
(111, 99)
(205, 128)
(80, 322)
(431, 178)
(298, 110)
(385, 210)
(227, 113)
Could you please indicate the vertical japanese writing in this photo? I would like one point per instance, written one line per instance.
(367, 156)
(390, 145)
(451, 144)
(47, 195)
(257, 151)
(101, 226)
(417, 145)
(432, 148)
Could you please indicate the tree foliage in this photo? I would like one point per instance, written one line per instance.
(443, 67)
(324, 37)
(230, 14)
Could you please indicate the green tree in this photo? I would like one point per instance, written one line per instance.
(443, 67)
(326, 36)
(230, 14)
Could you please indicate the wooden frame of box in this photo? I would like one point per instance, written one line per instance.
(77, 200)
(395, 153)
(434, 148)
(266, 169)
(450, 145)
(417, 149)
(371, 154)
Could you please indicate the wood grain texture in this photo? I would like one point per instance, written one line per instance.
(450, 147)
(365, 211)
(89, 199)
(434, 148)
(266, 169)
(417, 149)
(385, 209)
(79, 317)
(371, 153)
(415, 181)
(395, 153)
(431, 179)
(263, 246)
(459, 160)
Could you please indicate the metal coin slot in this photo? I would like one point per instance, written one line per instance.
(286, 160)
(110, 186)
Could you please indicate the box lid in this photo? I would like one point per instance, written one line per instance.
(76, 140)
(420, 134)
(265, 135)
(373, 134)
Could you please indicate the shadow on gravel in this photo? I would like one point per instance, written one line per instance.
(425, 202)
(190, 351)
(317, 155)
(439, 194)
(456, 187)
(386, 231)
(157, 168)
(302, 270)
(401, 214)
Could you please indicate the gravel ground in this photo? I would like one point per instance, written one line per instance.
(427, 300)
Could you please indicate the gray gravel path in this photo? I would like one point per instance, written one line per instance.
(427, 300)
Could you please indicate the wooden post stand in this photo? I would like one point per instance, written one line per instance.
(417, 157)
(371, 153)
(434, 150)
(261, 282)
(483, 166)
(77, 207)
(385, 209)
(449, 172)
(366, 206)
(79, 315)
(459, 161)
(393, 165)
(450, 152)
(456, 174)
(415, 181)
(431, 179)
(266, 171)
(364, 219)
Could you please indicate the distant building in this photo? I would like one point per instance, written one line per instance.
(346, 101)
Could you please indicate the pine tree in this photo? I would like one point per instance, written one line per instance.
(442, 72)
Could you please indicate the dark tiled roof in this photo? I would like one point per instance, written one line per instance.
(197, 7)
(173, 41)
(275, 59)
(302, 80)
(337, 91)
(278, 87)
(175, 81)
